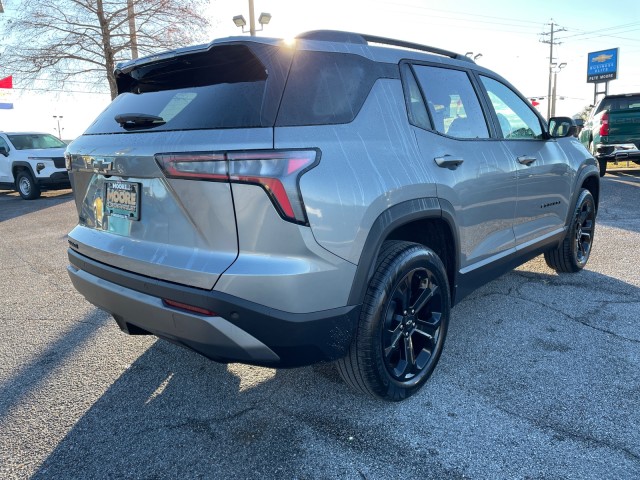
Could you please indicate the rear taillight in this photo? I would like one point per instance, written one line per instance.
(276, 171)
(604, 124)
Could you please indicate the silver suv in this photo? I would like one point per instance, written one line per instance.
(282, 204)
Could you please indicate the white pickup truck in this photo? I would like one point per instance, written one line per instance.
(31, 162)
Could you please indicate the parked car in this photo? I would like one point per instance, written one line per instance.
(612, 131)
(280, 205)
(31, 162)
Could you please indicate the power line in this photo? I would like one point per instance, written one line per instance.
(508, 19)
(616, 27)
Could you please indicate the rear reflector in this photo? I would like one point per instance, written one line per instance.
(276, 171)
(189, 308)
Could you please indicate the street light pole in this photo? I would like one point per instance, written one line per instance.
(58, 118)
(252, 20)
(263, 19)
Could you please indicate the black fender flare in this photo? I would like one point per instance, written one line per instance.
(589, 169)
(22, 163)
(392, 218)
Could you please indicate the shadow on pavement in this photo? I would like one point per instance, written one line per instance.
(174, 414)
(30, 377)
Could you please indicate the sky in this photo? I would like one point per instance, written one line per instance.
(507, 33)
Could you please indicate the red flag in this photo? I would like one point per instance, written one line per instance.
(6, 88)
(534, 102)
(7, 82)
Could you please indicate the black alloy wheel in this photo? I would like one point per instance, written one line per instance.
(573, 253)
(412, 326)
(402, 326)
(585, 220)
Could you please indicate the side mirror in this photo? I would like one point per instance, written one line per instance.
(4, 151)
(560, 127)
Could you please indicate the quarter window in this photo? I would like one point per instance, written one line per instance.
(452, 102)
(516, 118)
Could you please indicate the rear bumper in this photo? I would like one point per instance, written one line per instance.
(242, 331)
(615, 152)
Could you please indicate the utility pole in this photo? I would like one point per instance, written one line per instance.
(551, 44)
(132, 29)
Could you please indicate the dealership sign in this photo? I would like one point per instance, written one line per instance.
(602, 66)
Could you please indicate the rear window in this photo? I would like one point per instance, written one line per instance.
(228, 86)
(329, 88)
(33, 141)
(620, 103)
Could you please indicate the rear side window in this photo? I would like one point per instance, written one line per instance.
(228, 86)
(328, 88)
(452, 102)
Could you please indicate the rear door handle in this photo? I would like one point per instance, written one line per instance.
(524, 160)
(448, 161)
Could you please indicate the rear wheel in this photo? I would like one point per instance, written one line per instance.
(27, 187)
(402, 326)
(573, 253)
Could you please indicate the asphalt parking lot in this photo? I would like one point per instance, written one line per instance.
(539, 379)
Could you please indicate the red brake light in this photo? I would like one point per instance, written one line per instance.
(604, 124)
(276, 171)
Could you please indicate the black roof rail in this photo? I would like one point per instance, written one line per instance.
(363, 39)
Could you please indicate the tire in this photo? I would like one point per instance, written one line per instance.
(406, 310)
(573, 253)
(26, 186)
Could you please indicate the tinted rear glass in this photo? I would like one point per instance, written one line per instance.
(620, 103)
(229, 86)
(329, 88)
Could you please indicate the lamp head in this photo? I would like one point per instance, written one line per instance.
(264, 18)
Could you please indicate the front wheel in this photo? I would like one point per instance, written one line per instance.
(402, 326)
(573, 253)
(27, 187)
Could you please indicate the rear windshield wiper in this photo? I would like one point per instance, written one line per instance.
(138, 120)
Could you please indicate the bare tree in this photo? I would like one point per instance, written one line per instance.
(63, 40)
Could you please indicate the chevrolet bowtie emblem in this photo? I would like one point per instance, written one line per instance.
(99, 165)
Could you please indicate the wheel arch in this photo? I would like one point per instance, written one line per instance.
(592, 183)
(18, 166)
(427, 221)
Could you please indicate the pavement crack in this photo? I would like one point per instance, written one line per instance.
(586, 439)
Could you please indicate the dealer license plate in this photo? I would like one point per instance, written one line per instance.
(122, 199)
